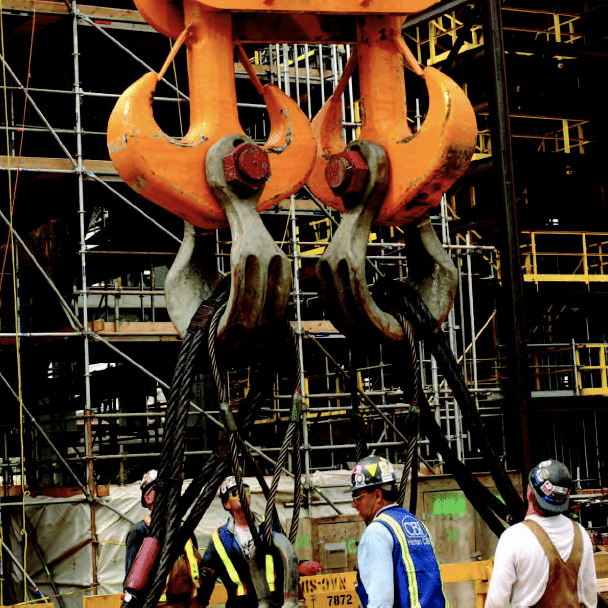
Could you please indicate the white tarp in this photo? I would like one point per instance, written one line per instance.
(62, 530)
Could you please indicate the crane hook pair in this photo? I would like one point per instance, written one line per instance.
(211, 185)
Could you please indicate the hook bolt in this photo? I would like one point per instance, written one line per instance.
(247, 165)
(346, 172)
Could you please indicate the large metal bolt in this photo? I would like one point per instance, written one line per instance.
(346, 172)
(247, 165)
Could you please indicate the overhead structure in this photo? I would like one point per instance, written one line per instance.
(87, 345)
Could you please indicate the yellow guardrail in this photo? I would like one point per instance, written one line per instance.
(591, 369)
(331, 590)
(553, 256)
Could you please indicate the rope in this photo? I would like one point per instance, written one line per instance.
(361, 449)
(166, 516)
(235, 443)
(12, 191)
(297, 436)
(391, 296)
(218, 376)
(169, 507)
(287, 441)
(411, 461)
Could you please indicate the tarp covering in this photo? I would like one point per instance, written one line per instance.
(62, 531)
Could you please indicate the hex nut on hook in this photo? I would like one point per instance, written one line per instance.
(346, 172)
(247, 165)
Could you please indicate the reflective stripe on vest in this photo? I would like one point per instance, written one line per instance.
(270, 573)
(232, 573)
(412, 583)
(192, 567)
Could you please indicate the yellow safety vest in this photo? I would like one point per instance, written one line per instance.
(192, 567)
(233, 574)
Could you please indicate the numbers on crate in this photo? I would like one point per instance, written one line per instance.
(453, 534)
(344, 599)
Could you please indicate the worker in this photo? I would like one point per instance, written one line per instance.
(183, 581)
(228, 552)
(397, 566)
(546, 560)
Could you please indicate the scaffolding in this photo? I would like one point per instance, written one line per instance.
(86, 345)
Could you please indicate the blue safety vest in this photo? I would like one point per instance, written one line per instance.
(417, 575)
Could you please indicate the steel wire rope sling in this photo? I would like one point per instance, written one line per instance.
(171, 506)
(148, 575)
(269, 545)
(356, 417)
(412, 422)
(393, 177)
(403, 301)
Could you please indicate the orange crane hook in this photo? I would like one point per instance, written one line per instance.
(169, 171)
(422, 165)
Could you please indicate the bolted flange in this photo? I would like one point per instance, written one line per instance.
(346, 172)
(247, 165)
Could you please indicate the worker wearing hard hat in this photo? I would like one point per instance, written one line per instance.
(228, 552)
(546, 560)
(183, 581)
(396, 561)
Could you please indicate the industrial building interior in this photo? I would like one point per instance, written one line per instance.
(87, 348)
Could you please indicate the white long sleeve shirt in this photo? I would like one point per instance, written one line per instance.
(521, 568)
(375, 562)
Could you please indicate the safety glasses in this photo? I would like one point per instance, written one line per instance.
(357, 498)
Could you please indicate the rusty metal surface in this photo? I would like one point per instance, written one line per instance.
(422, 165)
(167, 170)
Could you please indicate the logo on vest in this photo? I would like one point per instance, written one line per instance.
(415, 532)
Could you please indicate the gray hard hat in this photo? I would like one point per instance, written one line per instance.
(551, 484)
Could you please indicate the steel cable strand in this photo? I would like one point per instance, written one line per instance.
(169, 508)
(270, 503)
(391, 295)
(157, 526)
(258, 541)
(280, 464)
(201, 321)
(296, 442)
(212, 349)
(472, 488)
(263, 485)
(358, 426)
(410, 466)
(219, 472)
(193, 491)
(229, 423)
(297, 486)
(172, 460)
(448, 366)
(235, 442)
